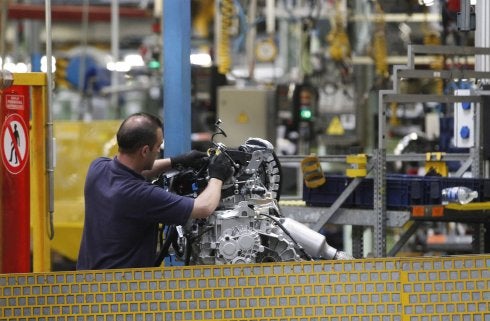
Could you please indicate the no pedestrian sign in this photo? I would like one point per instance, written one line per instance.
(14, 143)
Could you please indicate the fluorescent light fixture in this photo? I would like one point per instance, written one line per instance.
(134, 60)
(44, 64)
(119, 66)
(201, 59)
(426, 3)
(16, 67)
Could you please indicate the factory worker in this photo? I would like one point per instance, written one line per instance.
(123, 209)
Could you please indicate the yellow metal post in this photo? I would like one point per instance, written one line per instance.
(38, 158)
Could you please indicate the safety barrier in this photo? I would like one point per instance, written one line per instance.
(401, 289)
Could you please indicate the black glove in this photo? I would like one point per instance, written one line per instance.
(220, 167)
(194, 159)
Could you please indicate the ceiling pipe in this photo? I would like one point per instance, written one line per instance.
(3, 24)
(115, 9)
(72, 13)
(50, 163)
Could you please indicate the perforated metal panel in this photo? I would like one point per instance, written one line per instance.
(427, 289)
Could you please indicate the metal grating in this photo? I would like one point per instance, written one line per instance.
(425, 289)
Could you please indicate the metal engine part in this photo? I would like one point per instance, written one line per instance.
(248, 227)
(242, 235)
(314, 243)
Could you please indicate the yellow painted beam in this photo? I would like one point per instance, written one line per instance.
(474, 206)
(39, 181)
(30, 79)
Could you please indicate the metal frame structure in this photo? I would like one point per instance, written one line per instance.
(380, 218)
(394, 95)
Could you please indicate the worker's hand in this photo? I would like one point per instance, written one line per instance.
(194, 159)
(220, 167)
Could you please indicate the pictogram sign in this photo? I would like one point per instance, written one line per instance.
(14, 143)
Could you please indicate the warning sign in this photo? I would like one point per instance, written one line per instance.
(14, 143)
(242, 118)
(14, 102)
(335, 127)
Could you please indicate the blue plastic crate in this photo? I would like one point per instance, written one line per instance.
(402, 191)
(432, 187)
(327, 194)
(416, 190)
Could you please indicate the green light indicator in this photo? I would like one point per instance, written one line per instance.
(154, 64)
(305, 114)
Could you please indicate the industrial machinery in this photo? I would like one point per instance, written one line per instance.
(248, 226)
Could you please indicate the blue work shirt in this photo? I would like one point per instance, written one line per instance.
(122, 212)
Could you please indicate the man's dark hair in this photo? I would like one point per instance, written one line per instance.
(138, 130)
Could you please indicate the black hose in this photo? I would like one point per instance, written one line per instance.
(176, 247)
(188, 250)
(190, 240)
(171, 236)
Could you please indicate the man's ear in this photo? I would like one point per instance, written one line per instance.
(145, 150)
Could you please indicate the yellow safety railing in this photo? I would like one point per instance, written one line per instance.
(39, 177)
(374, 289)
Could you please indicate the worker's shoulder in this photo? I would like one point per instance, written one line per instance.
(100, 161)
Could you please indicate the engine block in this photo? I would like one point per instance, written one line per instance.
(242, 235)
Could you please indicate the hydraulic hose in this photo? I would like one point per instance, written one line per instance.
(171, 236)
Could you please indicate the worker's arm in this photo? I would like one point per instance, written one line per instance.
(194, 158)
(220, 169)
(160, 166)
(208, 200)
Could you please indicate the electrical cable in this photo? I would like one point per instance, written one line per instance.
(224, 53)
(188, 250)
(189, 242)
(171, 234)
(176, 247)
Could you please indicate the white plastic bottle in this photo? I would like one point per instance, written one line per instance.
(458, 194)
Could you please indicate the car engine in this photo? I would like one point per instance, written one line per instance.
(248, 226)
